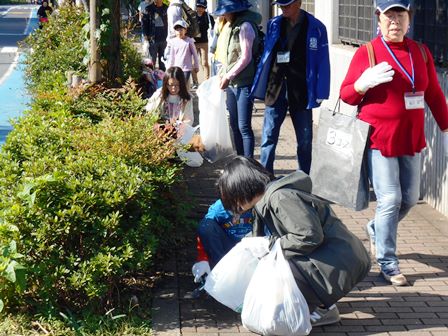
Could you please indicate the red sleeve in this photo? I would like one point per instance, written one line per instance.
(359, 63)
(434, 96)
(202, 255)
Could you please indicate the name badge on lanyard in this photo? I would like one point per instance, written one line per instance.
(414, 100)
(283, 57)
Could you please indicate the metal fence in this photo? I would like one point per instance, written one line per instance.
(434, 182)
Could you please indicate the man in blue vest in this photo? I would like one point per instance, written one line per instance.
(294, 73)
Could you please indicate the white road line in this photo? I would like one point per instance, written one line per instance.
(6, 12)
(10, 34)
(9, 50)
(26, 32)
(10, 69)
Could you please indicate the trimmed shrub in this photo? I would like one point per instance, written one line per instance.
(89, 194)
(85, 203)
(57, 48)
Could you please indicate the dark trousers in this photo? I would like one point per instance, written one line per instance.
(302, 120)
(156, 50)
(215, 240)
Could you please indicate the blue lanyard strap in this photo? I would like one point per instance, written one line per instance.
(410, 77)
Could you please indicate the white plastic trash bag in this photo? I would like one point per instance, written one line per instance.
(185, 134)
(215, 131)
(229, 279)
(273, 304)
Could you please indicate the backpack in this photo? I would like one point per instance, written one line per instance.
(191, 18)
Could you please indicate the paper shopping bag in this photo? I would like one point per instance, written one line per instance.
(338, 168)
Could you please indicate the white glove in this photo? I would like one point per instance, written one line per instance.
(445, 142)
(199, 269)
(371, 77)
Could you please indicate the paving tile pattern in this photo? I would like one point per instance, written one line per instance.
(372, 308)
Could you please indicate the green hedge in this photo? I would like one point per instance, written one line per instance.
(13, 2)
(88, 190)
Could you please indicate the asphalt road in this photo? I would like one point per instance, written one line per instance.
(16, 22)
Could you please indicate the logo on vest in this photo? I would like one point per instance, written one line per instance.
(313, 43)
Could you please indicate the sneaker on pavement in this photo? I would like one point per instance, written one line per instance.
(322, 316)
(395, 277)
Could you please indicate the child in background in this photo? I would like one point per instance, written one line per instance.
(150, 78)
(172, 102)
(173, 105)
(181, 51)
(218, 233)
(206, 24)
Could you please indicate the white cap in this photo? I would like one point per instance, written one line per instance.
(181, 23)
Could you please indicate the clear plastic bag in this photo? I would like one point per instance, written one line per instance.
(274, 304)
(215, 131)
(229, 279)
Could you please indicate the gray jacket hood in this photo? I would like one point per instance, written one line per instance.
(297, 180)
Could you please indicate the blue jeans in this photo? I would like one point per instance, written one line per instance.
(302, 121)
(396, 182)
(240, 111)
(215, 240)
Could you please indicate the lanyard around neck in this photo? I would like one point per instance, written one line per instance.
(411, 77)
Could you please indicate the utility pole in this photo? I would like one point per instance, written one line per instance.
(94, 63)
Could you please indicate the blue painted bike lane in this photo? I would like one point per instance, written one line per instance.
(14, 98)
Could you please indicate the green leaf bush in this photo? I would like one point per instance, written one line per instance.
(57, 48)
(87, 203)
(89, 193)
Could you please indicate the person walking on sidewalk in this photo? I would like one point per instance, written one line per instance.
(294, 73)
(391, 97)
(174, 14)
(217, 48)
(326, 259)
(182, 52)
(206, 24)
(155, 27)
(43, 12)
(142, 16)
(237, 73)
(218, 232)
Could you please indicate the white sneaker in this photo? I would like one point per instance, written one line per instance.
(322, 316)
(396, 279)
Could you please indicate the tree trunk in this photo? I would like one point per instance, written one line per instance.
(94, 64)
(112, 49)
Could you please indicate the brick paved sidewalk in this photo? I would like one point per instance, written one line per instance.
(372, 308)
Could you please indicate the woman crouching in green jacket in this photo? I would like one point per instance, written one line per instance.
(326, 259)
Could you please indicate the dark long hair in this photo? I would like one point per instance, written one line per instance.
(175, 73)
(242, 180)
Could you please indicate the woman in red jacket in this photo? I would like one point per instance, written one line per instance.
(391, 97)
